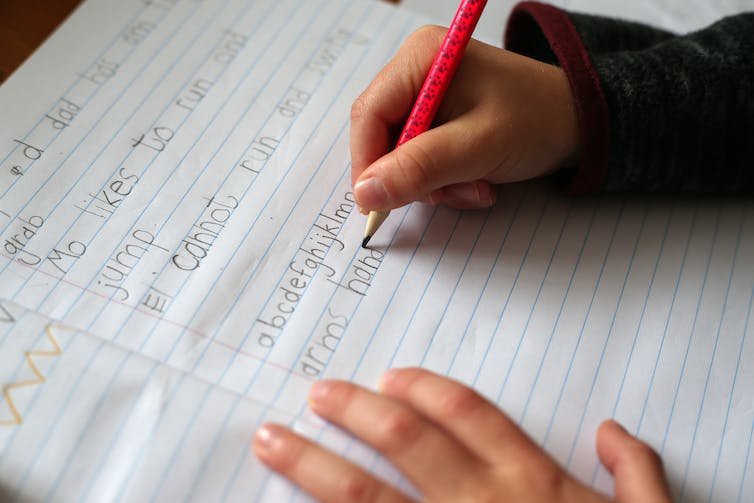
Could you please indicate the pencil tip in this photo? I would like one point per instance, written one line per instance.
(365, 241)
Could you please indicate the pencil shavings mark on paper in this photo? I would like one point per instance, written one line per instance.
(31, 357)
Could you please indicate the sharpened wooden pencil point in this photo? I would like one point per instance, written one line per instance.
(374, 221)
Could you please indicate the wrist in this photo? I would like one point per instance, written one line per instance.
(546, 32)
(563, 124)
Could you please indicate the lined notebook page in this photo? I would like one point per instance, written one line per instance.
(181, 260)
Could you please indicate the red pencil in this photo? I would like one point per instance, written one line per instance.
(435, 84)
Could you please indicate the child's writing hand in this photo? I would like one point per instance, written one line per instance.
(504, 118)
(451, 443)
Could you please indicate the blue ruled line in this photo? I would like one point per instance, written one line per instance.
(667, 321)
(96, 59)
(374, 331)
(33, 401)
(557, 319)
(437, 326)
(247, 74)
(638, 329)
(730, 401)
(618, 306)
(577, 346)
(712, 360)
(147, 63)
(534, 304)
(512, 221)
(377, 325)
(691, 335)
(746, 463)
(78, 380)
(510, 292)
(245, 236)
(189, 424)
(228, 366)
(424, 291)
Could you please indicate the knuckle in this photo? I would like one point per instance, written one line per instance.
(416, 166)
(459, 402)
(421, 43)
(398, 430)
(335, 403)
(340, 396)
(536, 475)
(550, 475)
(286, 460)
(358, 487)
(427, 33)
(359, 108)
(538, 468)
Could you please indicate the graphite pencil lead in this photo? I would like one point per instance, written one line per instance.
(365, 241)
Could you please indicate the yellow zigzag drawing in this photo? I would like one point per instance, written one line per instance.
(39, 376)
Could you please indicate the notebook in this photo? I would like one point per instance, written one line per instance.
(181, 259)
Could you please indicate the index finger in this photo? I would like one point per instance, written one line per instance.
(379, 112)
(475, 422)
(434, 461)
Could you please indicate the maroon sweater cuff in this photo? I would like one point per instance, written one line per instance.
(528, 22)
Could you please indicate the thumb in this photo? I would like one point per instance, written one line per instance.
(635, 466)
(430, 161)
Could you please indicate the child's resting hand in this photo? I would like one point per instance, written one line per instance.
(451, 443)
(505, 118)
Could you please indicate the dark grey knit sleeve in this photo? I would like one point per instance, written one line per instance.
(658, 112)
(681, 111)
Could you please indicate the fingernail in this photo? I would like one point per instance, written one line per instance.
(319, 391)
(363, 211)
(267, 439)
(371, 193)
(387, 378)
